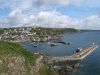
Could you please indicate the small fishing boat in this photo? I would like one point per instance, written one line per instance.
(78, 50)
(53, 44)
(35, 45)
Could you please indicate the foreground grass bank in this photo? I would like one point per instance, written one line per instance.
(15, 60)
(7, 48)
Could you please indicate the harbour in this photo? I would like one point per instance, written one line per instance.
(78, 40)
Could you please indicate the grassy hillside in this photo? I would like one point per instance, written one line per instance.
(14, 60)
(52, 31)
(14, 48)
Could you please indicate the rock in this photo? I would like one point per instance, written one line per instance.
(77, 65)
(68, 68)
(57, 67)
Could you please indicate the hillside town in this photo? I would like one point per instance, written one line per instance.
(16, 34)
(24, 34)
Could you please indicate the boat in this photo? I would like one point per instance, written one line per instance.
(31, 43)
(68, 43)
(34, 45)
(48, 42)
(62, 42)
(53, 44)
(78, 50)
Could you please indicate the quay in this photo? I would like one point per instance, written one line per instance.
(77, 56)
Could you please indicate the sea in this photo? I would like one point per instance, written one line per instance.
(82, 39)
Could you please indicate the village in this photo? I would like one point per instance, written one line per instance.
(21, 34)
(24, 34)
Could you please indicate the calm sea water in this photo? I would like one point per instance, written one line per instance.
(91, 64)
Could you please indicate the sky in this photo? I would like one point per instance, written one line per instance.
(79, 14)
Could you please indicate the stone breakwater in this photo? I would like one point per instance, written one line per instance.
(77, 56)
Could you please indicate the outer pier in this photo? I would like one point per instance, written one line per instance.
(77, 56)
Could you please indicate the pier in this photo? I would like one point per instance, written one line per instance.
(77, 56)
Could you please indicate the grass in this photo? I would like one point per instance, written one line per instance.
(9, 50)
(14, 48)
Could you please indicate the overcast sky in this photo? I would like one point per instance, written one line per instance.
(80, 14)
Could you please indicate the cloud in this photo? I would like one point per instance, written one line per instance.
(51, 19)
(48, 18)
(27, 4)
(16, 17)
(91, 22)
(47, 2)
